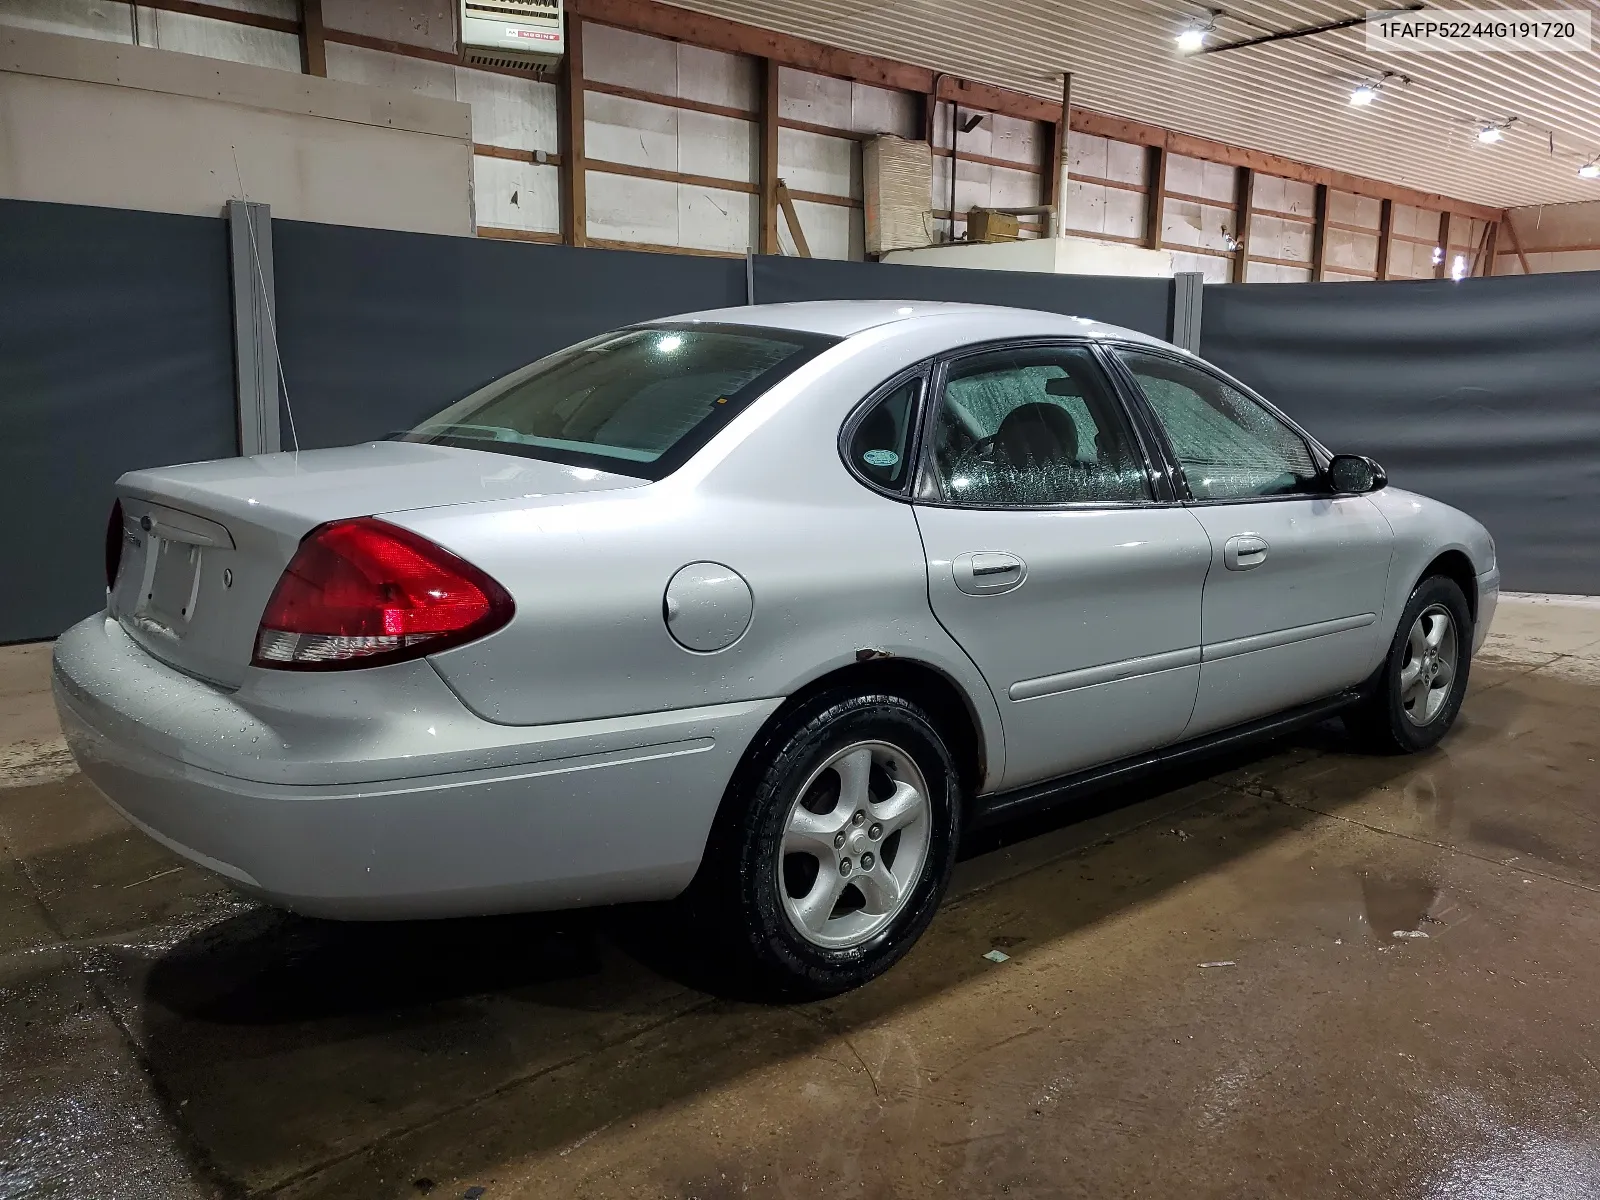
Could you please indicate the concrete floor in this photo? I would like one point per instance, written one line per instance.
(1308, 974)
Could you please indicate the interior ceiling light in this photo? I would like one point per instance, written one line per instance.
(1364, 94)
(1193, 36)
(1590, 170)
(1494, 131)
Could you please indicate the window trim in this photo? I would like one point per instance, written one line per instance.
(1318, 453)
(930, 493)
(920, 372)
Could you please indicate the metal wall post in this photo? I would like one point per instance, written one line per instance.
(255, 343)
(1187, 291)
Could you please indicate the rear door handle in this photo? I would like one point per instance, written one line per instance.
(1244, 551)
(987, 572)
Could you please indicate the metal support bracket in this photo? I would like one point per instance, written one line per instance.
(255, 343)
(1187, 291)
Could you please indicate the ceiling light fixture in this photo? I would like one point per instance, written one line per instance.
(1193, 35)
(1590, 170)
(1364, 94)
(1494, 131)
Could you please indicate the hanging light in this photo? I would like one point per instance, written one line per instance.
(1193, 35)
(1364, 94)
(1590, 170)
(1492, 132)
(1458, 268)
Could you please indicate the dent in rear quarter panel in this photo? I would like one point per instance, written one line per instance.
(833, 568)
(1424, 529)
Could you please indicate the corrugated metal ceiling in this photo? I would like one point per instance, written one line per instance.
(1289, 98)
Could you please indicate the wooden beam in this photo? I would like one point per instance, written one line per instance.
(1442, 267)
(219, 13)
(574, 192)
(313, 45)
(598, 166)
(1385, 237)
(519, 235)
(658, 248)
(1053, 188)
(548, 159)
(793, 218)
(1155, 206)
(1121, 185)
(1476, 261)
(824, 198)
(630, 93)
(1492, 251)
(1319, 236)
(1244, 205)
(989, 160)
(767, 175)
(1516, 244)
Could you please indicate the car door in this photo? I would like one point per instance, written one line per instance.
(1056, 561)
(1298, 574)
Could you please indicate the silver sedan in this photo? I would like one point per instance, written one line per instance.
(756, 610)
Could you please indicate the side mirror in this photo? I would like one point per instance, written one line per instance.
(1355, 475)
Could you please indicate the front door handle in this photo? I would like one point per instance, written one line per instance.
(1244, 551)
(987, 572)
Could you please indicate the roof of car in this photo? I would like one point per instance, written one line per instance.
(844, 318)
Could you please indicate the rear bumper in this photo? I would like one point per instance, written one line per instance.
(519, 818)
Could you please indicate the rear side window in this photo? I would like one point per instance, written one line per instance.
(636, 401)
(879, 447)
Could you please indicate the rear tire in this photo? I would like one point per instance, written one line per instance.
(833, 847)
(1418, 691)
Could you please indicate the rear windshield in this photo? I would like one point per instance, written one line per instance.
(635, 401)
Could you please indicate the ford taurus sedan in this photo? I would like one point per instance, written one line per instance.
(756, 610)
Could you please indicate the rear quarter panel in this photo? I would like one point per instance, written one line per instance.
(833, 567)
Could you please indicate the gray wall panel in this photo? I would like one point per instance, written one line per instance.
(378, 329)
(1483, 393)
(1142, 304)
(115, 353)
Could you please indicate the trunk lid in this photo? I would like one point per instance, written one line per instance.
(204, 544)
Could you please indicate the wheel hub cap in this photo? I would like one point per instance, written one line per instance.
(1428, 670)
(854, 844)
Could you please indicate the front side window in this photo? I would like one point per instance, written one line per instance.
(636, 401)
(1034, 426)
(1229, 446)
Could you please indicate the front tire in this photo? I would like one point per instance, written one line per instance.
(833, 848)
(1418, 692)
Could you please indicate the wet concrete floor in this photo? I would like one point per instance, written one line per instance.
(1301, 973)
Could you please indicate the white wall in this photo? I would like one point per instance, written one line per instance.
(1554, 237)
(88, 121)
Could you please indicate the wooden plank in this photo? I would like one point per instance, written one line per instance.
(1476, 261)
(344, 37)
(313, 43)
(631, 93)
(1187, 249)
(789, 215)
(574, 190)
(767, 238)
(1284, 216)
(550, 159)
(1156, 174)
(1442, 267)
(1492, 251)
(1516, 244)
(1385, 237)
(658, 248)
(824, 198)
(1319, 236)
(990, 99)
(1120, 184)
(1053, 188)
(518, 235)
(1304, 265)
(218, 13)
(1009, 164)
(1244, 205)
(1207, 201)
(1095, 236)
(1368, 230)
(831, 131)
(600, 166)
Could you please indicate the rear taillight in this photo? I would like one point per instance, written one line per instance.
(363, 592)
(113, 545)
